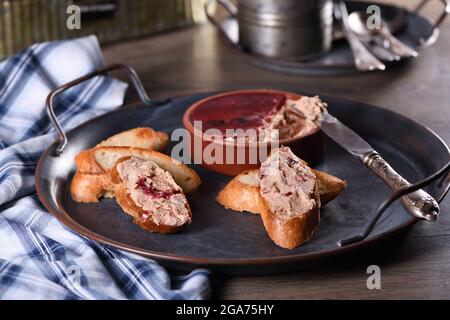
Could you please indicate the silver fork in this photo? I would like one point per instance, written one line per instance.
(364, 59)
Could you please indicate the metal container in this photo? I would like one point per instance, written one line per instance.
(287, 29)
(293, 29)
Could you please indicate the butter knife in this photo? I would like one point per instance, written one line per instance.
(418, 203)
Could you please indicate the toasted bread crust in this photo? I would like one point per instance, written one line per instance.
(240, 195)
(145, 138)
(127, 204)
(329, 186)
(90, 187)
(290, 233)
(85, 163)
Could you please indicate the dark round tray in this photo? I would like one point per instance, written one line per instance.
(237, 243)
(411, 27)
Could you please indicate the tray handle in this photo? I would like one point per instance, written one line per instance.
(50, 98)
(435, 25)
(232, 11)
(444, 184)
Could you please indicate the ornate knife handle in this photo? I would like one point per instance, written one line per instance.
(418, 203)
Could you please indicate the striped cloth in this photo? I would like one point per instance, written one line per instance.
(40, 258)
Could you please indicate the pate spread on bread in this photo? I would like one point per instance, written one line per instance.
(242, 192)
(290, 206)
(287, 184)
(91, 182)
(286, 193)
(159, 203)
(185, 177)
(147, 184)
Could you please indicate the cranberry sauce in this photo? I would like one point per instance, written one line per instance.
(238, 111)
(147, 187)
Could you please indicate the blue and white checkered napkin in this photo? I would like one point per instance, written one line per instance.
(40, 258)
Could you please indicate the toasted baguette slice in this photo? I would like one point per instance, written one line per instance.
(185, 177)
(290, 202)
(163, 207)
(145, 138)
(329, 186)
(87, 186)
(241, 193)
(90, 187)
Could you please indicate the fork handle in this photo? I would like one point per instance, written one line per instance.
(364, 59)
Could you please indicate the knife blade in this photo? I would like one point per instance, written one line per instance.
(419, 203)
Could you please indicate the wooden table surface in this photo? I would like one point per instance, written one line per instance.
(415, 265)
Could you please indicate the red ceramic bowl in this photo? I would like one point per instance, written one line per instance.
(231, 158)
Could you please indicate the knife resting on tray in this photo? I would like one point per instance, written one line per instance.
(418, 203)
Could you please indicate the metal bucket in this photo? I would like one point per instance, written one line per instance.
(292, 29)
(287, 29)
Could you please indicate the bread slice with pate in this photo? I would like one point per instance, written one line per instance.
(150, 195)
(242, 192)
(290, 201)
(91, 181)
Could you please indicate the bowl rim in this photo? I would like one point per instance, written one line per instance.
(196, 133)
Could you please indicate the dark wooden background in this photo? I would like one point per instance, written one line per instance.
(415, 265)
